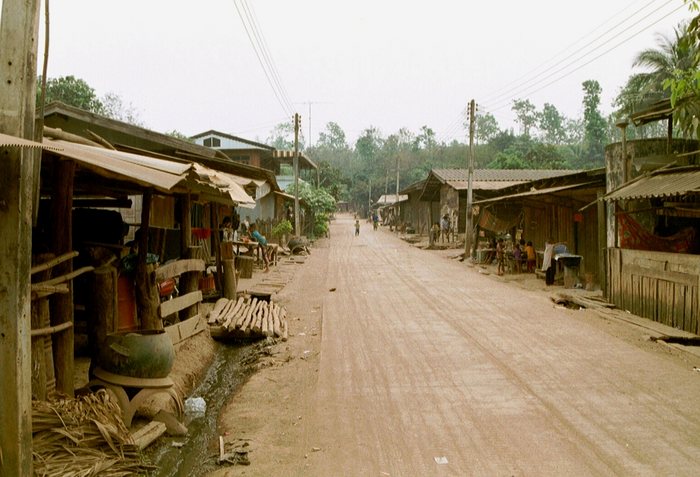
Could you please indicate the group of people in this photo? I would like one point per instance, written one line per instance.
(523, 255)
(229, 233)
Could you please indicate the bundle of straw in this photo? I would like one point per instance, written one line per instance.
(83, 437)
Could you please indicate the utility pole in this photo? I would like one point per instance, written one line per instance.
(297, 229)
(468, 237)
(369, 197)
(398, 204)
(19, 26)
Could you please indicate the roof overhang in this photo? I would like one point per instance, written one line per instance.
(536, 192)
(666, 183)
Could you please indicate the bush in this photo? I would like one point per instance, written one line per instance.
(282, 228)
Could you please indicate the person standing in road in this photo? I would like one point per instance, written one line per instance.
(357, 227)
(445, 228)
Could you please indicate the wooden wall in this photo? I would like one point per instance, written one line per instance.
(542, 221)
(656, 285)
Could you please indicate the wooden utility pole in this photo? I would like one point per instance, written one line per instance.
(468, 236)
(19, 23)
(297, 229)
(398, 204)
(369, 197)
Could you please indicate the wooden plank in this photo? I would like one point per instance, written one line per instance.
(169, 307)
(186, 329)
(148, 434)
(676, 277)
(179, 267)
(52, 263)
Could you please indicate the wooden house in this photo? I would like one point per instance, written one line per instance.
(550, 208)
(446, 189)
(652, 209)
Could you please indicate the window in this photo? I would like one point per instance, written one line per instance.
(212, 142)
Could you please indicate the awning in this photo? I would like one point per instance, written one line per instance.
(13, 141)
(547, 190)
(666, 183)
(161, 174)
(114, 166)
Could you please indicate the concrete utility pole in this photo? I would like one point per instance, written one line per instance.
(468, 223)
(19, 24)
(297, 229)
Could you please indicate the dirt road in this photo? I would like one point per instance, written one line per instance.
(426, 367)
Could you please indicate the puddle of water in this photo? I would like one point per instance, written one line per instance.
(201, 445)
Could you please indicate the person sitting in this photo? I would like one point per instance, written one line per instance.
(262, 244)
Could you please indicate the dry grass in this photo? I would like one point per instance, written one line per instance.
(83, 437)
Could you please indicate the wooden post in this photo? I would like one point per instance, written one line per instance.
(104, 309)
(230, 282)
(62, 242)
(217, 245)
(147, 300)
(185, 224)
(19, 22)
(602, 244)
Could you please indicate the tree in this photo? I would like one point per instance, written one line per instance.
(594, 125)
(486, 127)
(526, 115)
(684, 85)
(332, 138)
(425, 139)
(76, 92)
(113, 107)
(282, 137)
(551, 123)
(72, 91)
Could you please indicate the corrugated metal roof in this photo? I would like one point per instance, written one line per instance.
(389, 199)
(511, 175)
(547, 190)
(13, 141)
(482, 185)
(154, 172)
(662, 184)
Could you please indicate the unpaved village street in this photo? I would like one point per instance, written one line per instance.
(406, 363)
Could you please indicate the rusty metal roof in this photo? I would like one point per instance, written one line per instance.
(507, 175)
(13, 141)
(667, 183)
(547, 190)
(162, 174)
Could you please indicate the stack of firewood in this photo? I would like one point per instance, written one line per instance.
(248, 317)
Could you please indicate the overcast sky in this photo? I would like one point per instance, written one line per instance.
(190, 66)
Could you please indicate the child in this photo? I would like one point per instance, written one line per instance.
(500, 256)
(517, 257)
(435, 230)
(531, 257)
(262, 243)
(357, 227)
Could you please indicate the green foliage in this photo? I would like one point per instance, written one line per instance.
(178, 135)
(72, 91)
(320, 202)
(76, 92)
(551, 123)
(282, 137)
(486, 127)
(284, 227)
(526, 115)
(595, 126)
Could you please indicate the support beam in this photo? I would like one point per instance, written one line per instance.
(19, 21)
(62, 243)
(147, 300)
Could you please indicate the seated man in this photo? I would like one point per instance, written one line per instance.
(262, 241)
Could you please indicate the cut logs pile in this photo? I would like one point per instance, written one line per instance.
(248, 318)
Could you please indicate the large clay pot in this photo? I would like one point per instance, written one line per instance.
(139, 354)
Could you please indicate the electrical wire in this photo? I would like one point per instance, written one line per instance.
(491, 97)
(267, 56)
(503, 104)
(257, 49)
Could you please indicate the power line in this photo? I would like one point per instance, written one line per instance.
(502, 91)
(503, 103)
(277, 92)
(257, 31)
